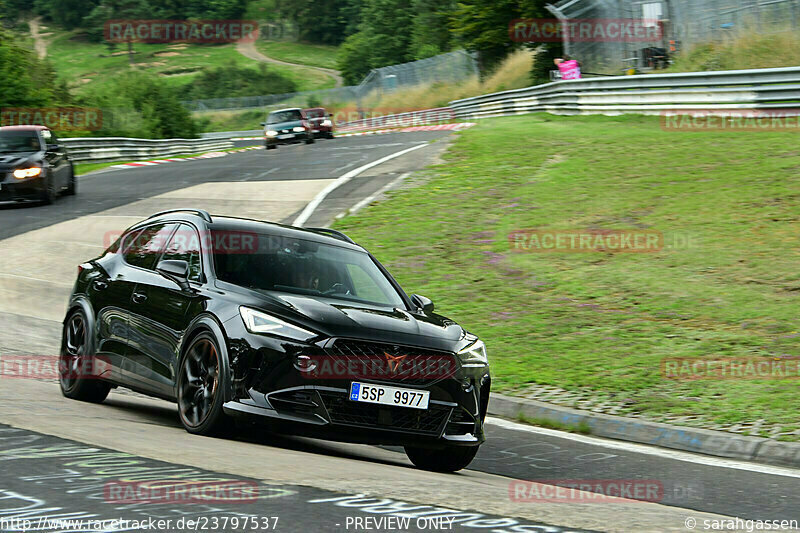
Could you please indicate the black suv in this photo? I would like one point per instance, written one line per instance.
(33, 166)
(300, 329)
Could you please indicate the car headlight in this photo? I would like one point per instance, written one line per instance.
(327, 123)
(474, 354)
(272, 133)
(22, 173)
(298, 129)
(260, 322)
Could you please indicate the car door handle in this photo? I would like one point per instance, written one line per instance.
(100, 285)
(139, 297)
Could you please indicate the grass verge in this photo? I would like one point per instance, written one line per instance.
(749, 48)
(725, 284)
(314, 55)
(583, 428)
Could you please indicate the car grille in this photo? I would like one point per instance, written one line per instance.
(341, 410)
(357, 350)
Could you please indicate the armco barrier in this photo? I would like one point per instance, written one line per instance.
(109, 149)
(773, 89)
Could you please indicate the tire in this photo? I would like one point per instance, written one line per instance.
(76, 345)
(329, 135)
(200, 388)
(72, 185)
(271, 146)
(448, 459)
(49, 194)
(310, 140)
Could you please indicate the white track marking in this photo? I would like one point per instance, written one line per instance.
(369, 199)
(312, 206)
(677, 455)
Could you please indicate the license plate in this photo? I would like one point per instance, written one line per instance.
(369, 393)
(286, 136)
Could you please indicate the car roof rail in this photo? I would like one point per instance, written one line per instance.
(333, 233)
(202, 213)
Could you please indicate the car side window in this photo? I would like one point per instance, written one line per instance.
(185, 246)
(142, 249)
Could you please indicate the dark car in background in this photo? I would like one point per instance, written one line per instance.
(33, 166)
(299, 329)
(287, 126)
(321, 122)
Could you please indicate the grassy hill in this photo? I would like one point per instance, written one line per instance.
(84, 64)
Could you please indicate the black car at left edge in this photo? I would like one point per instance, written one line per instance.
(33, 166)
(297, 329)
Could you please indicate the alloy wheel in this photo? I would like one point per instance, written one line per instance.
(199, 382)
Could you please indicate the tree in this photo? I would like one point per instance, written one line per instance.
(430, 34)
(25, 80)
(353, 58)
(138, 104)
(483, 27)
(384, 38)
(66, 13)
(115, 10)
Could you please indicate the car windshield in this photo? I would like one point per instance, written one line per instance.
(284, 116)
(283, 264)
(19, 141)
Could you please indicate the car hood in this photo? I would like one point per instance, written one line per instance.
(340, 318)
(10, 160)
(284, 125)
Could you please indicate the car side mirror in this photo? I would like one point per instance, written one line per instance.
(53, 147)
(426, 304)
(330, 115)
(175, 270)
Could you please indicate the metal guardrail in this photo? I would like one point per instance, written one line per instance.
(231, 134)
(110, 149)
(773, 89)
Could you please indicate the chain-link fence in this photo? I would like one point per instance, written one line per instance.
(681, 24)
(322, 97)
(451, 67)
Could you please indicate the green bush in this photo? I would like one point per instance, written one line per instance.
(233, 80)
(138, 104)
